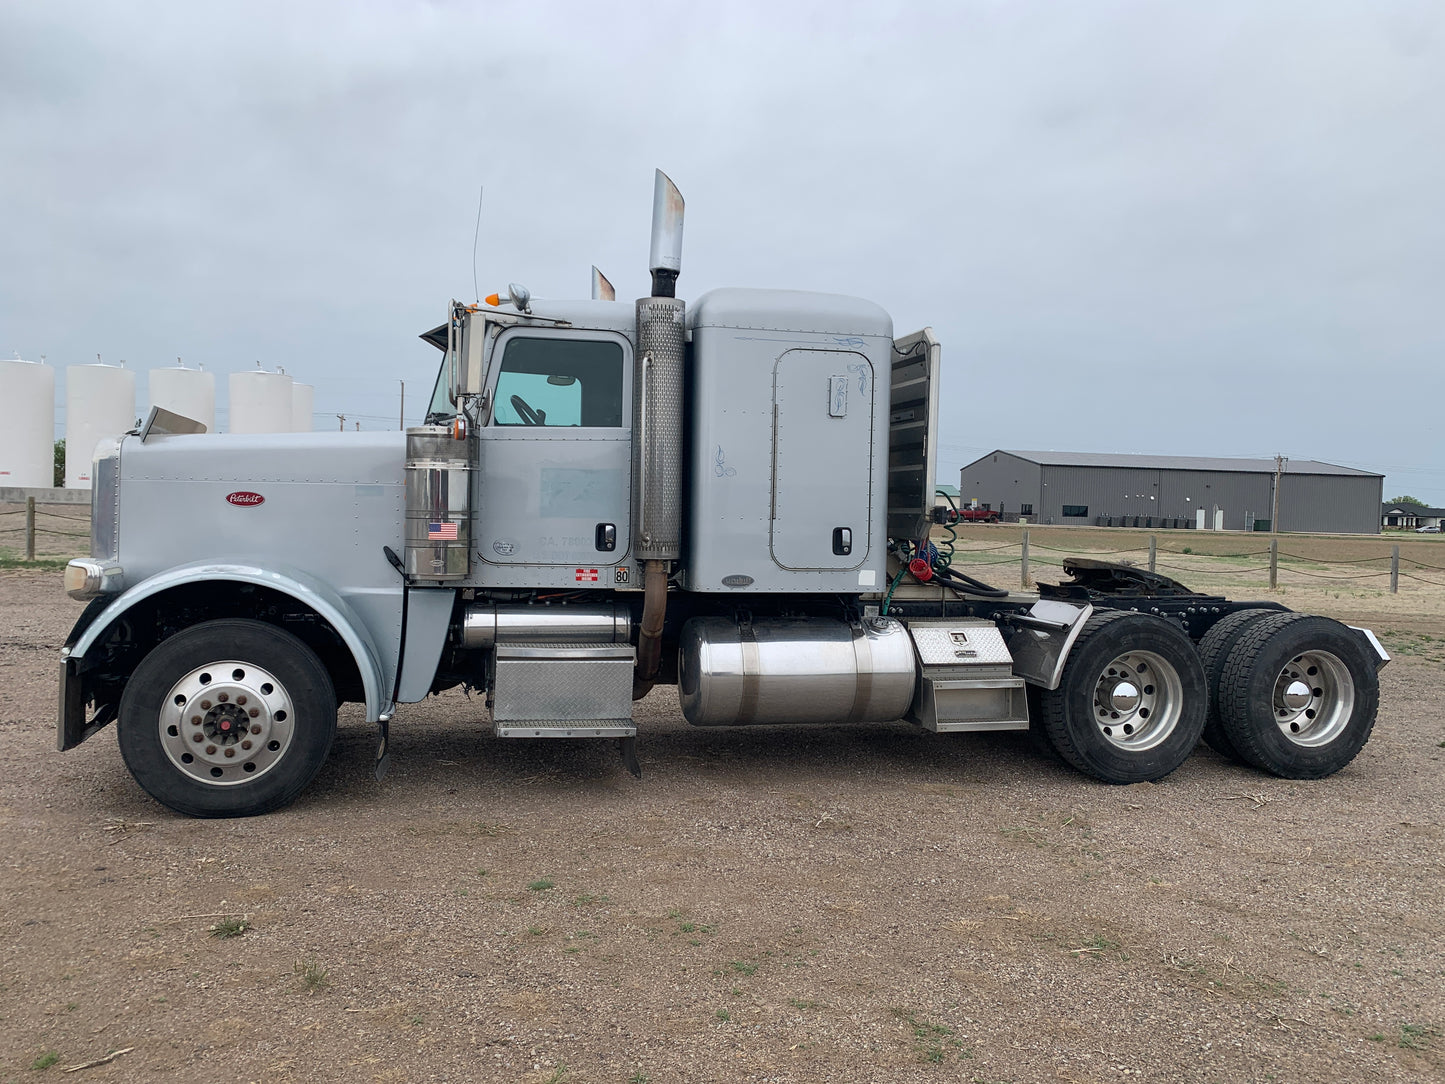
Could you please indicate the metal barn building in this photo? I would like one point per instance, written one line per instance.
(1173, 491)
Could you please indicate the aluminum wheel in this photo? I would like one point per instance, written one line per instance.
(227, 722)
(1314, 697)
(1137, 700)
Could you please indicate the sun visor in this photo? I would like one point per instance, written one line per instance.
(437, 336)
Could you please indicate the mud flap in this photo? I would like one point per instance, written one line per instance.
(383, 748)
(627, 748)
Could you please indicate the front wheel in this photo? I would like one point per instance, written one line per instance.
(1298, 695)
(1131, 704)
(227, 718)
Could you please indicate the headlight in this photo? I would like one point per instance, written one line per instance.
(86, 578)
(104, 502)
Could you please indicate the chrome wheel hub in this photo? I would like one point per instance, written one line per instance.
(1314, 697)
(227, 722)
(1137, 700)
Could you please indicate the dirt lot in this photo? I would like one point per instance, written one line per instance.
(864, 904)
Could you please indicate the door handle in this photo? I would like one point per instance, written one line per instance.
(606, 537)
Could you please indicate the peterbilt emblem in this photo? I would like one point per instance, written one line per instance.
(736, 581)
(245, 498)
(504, 548)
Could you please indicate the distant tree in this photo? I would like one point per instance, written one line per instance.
(58, 475)
(1394, 500)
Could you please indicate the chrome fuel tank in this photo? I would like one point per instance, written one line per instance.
(794, 671)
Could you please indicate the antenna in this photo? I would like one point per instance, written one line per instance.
(476, 290)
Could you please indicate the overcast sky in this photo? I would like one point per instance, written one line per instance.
(1184, 228)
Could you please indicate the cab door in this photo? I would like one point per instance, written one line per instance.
(555, 459)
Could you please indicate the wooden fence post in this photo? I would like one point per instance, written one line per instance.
(1153, 549)
(30, 528)
(1394, 570)
(1273, 563)
(1024, 564)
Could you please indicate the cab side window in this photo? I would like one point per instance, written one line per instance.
(559, 382)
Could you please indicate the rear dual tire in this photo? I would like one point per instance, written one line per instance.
(1214, 651)
(1298, 695)
(1131, 703)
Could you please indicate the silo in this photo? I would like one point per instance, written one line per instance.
(27, 448)
(99, 403)
(188, 392)
(260, 402)
(303, 398)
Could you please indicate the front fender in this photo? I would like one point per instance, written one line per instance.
(304, 588)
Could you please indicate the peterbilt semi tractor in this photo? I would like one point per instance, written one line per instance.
(732, 497)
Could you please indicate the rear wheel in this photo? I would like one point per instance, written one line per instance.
(1213, 650)
(1131, 704)
(227, 719)
(1299, 695)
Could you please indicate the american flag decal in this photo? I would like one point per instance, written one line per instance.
(586, 575)
(441, 532)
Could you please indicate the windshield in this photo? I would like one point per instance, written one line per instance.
(441, 409)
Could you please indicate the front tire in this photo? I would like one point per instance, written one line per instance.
(1131, 704)
(1299, 695)
(227, 718)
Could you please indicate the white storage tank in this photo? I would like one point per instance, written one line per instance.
(188, 392)
(99, 403)
(260, 402)
(303, 399)
(27, 440)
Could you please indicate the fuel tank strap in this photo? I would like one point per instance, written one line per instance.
(752, 673)
(863, 677)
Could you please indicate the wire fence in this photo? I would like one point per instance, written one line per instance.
(1026, 555)
(38, 533)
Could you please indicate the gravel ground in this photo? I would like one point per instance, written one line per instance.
(835, 904)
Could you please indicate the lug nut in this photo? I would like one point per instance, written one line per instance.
(240, 699)
(196, 720)
(230, 752)
(205, 703)
(210, 750)
(255, 730)
(246, 744)
(254, 712)
(198, 738)
(223, 697)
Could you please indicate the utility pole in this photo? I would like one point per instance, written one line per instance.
(1280, 462)
(342, 419)
(401, 419)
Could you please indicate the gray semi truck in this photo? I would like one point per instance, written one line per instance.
(733, 497)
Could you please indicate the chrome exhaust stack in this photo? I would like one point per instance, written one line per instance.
(657, 425)
(665, 257)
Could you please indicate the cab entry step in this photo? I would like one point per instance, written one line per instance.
(563, 691)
